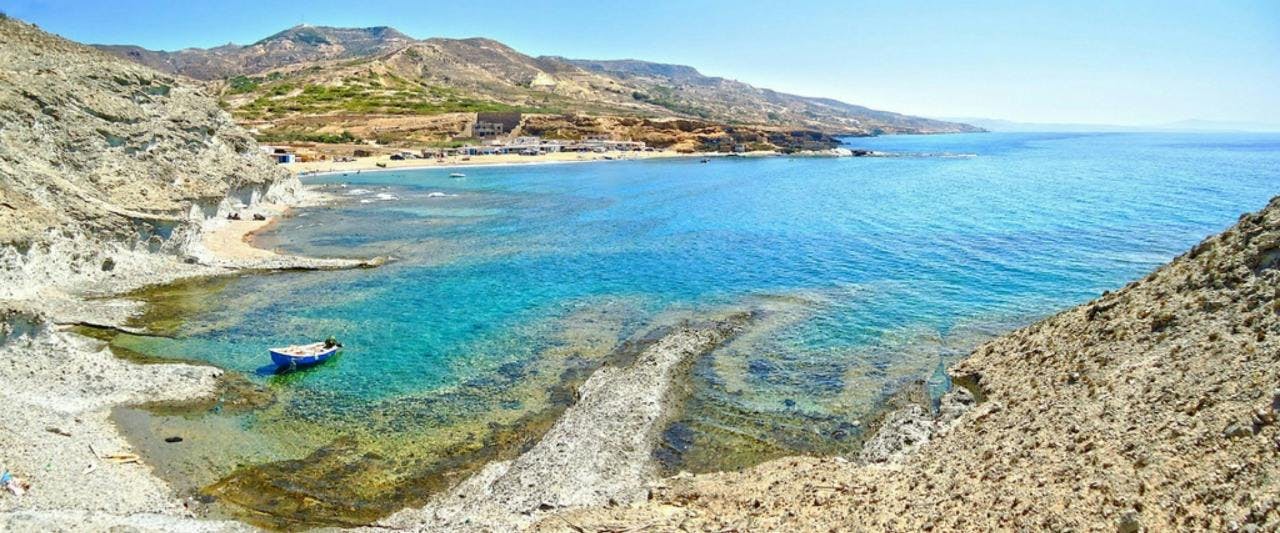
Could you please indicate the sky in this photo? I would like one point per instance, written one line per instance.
(1134, 63)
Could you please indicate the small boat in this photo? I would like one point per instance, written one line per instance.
(705, 160)
(457, 175)
(380, 165)
(304, 355)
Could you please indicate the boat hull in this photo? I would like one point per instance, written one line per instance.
(284, 360)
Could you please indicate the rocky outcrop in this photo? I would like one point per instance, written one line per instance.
(1153, 407)
(598, 453)
(109, 174)
(904, 429)
(106, 166)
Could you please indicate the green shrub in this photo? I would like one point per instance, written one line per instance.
(241, 84)
(295, 136)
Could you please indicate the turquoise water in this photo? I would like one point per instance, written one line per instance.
(873, 272)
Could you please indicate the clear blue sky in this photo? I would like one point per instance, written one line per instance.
(1136, 62)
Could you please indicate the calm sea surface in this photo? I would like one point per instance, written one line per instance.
(517, 281)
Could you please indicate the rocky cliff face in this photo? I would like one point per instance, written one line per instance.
(104, 162)
(1151, 408)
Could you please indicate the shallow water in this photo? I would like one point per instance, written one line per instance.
(872, 272)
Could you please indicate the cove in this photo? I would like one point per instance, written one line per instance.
(509, 289)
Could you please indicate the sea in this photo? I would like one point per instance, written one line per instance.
(509, 286)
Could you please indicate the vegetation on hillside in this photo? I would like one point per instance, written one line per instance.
(385, 94)
(291, 136)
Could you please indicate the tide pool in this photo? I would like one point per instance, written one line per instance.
(870, 273)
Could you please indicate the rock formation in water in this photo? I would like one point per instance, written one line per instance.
(1153, 407)
(104, 162)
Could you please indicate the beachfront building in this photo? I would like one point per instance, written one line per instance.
(528, 145)
(605, 145)
(531, 145)
(482, 149)
(485, 130)
(280, 154)
(489, 125)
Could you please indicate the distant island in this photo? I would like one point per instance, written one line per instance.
(1181, 126)
(349, 86)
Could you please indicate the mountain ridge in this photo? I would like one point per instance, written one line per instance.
(499, 77)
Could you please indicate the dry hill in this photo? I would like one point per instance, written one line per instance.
(315, 83)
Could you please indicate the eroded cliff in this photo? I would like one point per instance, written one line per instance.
(104, 163)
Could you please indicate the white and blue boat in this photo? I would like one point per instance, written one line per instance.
(304, 355)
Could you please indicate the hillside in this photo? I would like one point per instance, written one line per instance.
(313, 83)
(97, 150)
(685, 90)
(1151, 408)
(294, 45)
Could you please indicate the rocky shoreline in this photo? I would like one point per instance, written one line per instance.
(114, 177)
(1153, 407)
(61, 387)
(598, 453)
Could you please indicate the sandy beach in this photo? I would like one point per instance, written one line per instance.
(372, 163)
(228, 243)
(231, 241)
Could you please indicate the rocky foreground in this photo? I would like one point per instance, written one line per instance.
(1151, 408)
(111, 175)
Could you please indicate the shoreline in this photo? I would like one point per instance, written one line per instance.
(1149, 408)
(91, 478)
(496, 494)
(61, 386)
(369, 164)
(229, 243)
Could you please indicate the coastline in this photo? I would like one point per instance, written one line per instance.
(61, 386)
(229, 243)
(1150, 408)
(607, 438)
(370, 164)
